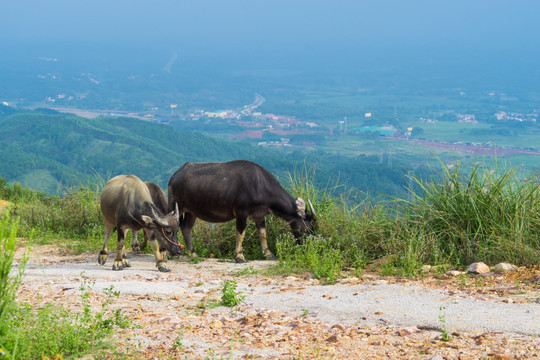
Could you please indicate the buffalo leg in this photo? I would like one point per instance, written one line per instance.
(161, 256)
(240, 233)
(121, 260)
(135, 243)
(261, 228)
(144, 241)
(102, 258)
(186, 225)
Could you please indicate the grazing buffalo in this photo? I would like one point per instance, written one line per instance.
(126, 203)
(219, 192)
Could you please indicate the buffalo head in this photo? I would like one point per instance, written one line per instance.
(164, 229)
(305, 222)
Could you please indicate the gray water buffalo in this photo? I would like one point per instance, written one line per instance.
(219, 192)
(126, 203)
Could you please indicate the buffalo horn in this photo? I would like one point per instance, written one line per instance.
(158, 219)
(175, 213)
(311, 208)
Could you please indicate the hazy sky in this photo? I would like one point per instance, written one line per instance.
(392, 27)
(254, 23)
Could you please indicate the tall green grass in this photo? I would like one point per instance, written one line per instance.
(9, 282)
(482, 213)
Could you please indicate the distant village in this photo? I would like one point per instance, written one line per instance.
(282, 127)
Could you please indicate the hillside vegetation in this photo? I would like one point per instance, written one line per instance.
(481, 214)
(461, 216)
(51, 152)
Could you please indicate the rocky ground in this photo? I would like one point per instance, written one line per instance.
(494, 316)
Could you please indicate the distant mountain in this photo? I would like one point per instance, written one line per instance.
(49, 151)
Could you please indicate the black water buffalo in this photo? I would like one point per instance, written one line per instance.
(219, 192)
(126, 203)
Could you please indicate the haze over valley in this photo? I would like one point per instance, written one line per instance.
(398, 86)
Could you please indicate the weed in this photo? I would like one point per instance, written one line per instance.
(463, 280)
(196, 259)
(229, 296)
(177, 344)
(442, 318)
(249, 270)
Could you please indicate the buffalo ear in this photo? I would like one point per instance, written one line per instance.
(147, 220)
(301, 207)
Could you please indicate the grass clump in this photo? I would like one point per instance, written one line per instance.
(53, 331)
(315, 255)
(480, 214)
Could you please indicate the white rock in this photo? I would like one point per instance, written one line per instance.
(504, 267)
(478, 268)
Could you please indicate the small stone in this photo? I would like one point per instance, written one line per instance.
(453, 273)
(216, 324)
(338, 327)
(504, 267)
(501, 357)
(478, 268)
(332, 338)
(434, 357)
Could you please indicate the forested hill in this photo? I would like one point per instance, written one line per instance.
(48, 151)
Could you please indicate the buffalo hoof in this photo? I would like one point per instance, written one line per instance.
(117, 267)
(102, 259)
(271, 257)
(164, 269)
(240, 260)
(136, 249)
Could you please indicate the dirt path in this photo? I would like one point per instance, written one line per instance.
(295, 316)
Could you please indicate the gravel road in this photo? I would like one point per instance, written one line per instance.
(352, 301)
